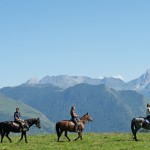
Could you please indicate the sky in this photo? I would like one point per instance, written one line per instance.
(94, 38)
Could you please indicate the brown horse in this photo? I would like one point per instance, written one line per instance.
(68, 125)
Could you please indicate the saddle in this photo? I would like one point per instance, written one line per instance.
(24, 124)
(72, 124)
(15, 124)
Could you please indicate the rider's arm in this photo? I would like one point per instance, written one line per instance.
(75, 115)
(20, 118)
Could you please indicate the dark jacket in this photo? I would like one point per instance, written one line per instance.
(17, 116)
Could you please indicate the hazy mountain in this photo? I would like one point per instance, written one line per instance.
(111, 110)
(140, 83)
(65, 81)
(8, 107)
(112, 82)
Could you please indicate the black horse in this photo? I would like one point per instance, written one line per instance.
(8, 126)
(138, 123)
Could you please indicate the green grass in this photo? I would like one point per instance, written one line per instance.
(93, 141)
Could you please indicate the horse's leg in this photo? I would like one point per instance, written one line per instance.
(21, 137)
(66, 135)
(8, 136)
(2, 136)
(59, 135)
(25, 137)
(78, 136)
(133, 127)
(135, 131)
(136, 124)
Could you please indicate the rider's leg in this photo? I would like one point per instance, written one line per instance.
(76, 124)
(21, 125)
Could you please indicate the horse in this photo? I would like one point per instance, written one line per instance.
(8, 126)
(138, 123)
(68, 125)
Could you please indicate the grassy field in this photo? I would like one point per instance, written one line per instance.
(93, 141)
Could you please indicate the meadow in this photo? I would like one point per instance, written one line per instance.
(91, 141)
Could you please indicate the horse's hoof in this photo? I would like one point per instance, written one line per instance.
(26, 141)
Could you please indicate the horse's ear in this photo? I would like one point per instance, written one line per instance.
(87, 113)
(38, 118)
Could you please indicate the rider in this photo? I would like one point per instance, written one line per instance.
(74, 117)
(148, 112)
(17, 119)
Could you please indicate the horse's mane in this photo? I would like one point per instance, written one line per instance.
(30, 120)
(83, 116)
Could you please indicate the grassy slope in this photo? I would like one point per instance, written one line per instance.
(7, 109)
(93, 141)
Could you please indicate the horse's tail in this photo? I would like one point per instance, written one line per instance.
(133, 125)
(0, 128)
(57, 128)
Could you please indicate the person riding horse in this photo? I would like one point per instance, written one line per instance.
(74, 117)
(141, 122)
(18, 120)
(148, 113)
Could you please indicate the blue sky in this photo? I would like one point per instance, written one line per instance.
(81, 37)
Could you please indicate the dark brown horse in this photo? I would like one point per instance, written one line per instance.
(8, 126)
(67, 125)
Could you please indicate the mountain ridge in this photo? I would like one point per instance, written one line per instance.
(102, 102)
(65, 81)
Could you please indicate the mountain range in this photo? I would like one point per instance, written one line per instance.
(63, 81)
(141, 84)
(110, 101)
(112, 110)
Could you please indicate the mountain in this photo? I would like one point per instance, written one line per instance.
(112, 82)
(141, 84)
(111, 110)
(63, 81)
(8, 107)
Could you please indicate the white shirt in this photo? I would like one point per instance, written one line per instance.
(148, 111)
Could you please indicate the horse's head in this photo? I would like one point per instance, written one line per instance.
(88, 117)
(37, 122)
